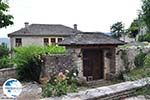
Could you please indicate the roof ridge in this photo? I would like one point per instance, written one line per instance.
(46, 24)
(101, 34)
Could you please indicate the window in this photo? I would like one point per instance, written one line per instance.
(46, 41)
(18, 42)
(53, 41)
(60, 39)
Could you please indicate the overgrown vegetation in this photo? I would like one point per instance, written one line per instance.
(139, 59)
(4, 51)
(28, 60)
(138, 73)
(142, 70)
(144, 91)
(61, 84)
(145, 37)
(5, 60)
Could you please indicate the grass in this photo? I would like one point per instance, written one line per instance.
(138, 73)
(144, 91)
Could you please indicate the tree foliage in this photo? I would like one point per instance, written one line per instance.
(117, 29)
(134, 28)
(4, 51)
(5, 19)
(145, 13)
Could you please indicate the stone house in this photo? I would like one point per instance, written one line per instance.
(40, 34)
(93, 54)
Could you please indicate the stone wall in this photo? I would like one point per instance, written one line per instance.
(113, 62)
(73, 60)
(131, 53)
(113, 92)
(57, 63)
(7, 73)
(109, 63)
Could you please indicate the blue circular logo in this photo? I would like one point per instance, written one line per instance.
(12, 88)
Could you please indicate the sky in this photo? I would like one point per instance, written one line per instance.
(89, 15)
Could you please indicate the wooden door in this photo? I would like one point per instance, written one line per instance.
(93, 64)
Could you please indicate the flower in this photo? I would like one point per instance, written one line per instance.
(67, 71)
(55, 80)
(61, 76)
(74, 74)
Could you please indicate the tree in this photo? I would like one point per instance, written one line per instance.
(145, 13)
(4, 51)
(134, 28)
(5, 19)
(117, 29)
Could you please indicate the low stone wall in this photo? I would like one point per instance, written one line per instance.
(7, 73)
(131, 54)
(57, 63)
(112, 92)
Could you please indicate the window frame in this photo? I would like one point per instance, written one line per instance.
(18, 42)
(46, 42)
(53, 42)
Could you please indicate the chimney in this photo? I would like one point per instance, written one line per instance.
(26, 24)
(75, 27)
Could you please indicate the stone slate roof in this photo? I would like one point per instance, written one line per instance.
(90, 38)
(44, 30)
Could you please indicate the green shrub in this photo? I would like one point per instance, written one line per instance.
(144, 91)
(4, 51)
(145, 37)
(139, 59)
(147, 61)
(61, 84)
(29, 60)
(6, 62)
(138, 73)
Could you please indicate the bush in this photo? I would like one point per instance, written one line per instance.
(4, 51)
(139, 59)
(138, 73)
(145, 37)
(144, 91)
(29, 60)
(61, 84)
(141, 72)
(6, 62)
(147, 61)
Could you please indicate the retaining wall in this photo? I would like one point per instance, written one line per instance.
(7, 73)
(132, 52)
